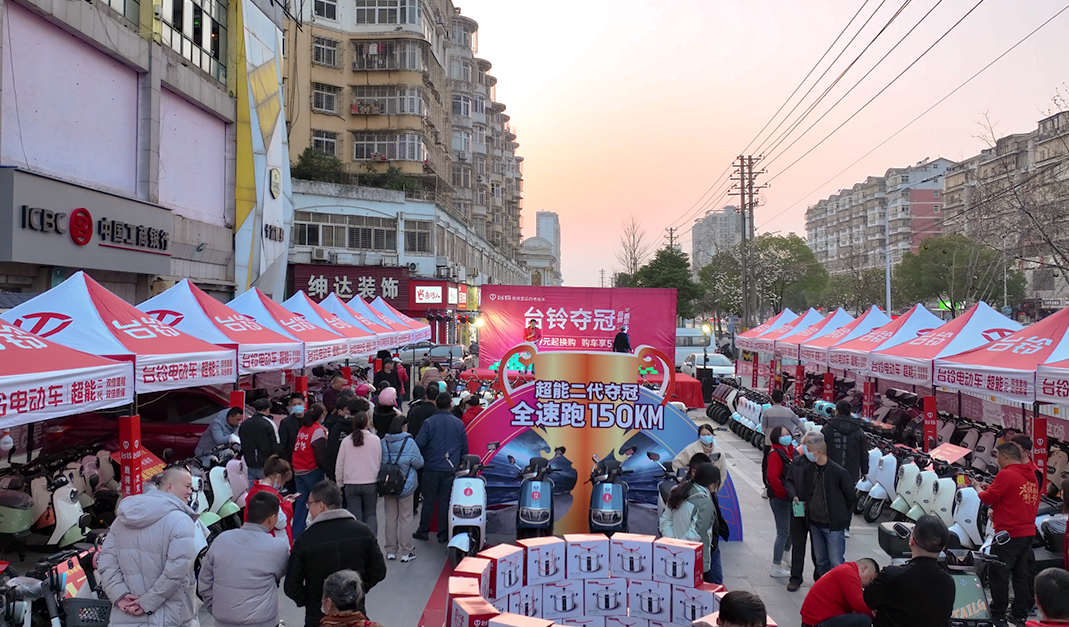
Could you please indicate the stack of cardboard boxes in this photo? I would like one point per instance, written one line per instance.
(587, 580)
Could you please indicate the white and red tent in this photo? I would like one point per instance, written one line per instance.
(191, 310)
(420, 330)
(385, 336)
(854, 354)
(1007, 368)
(1052, 382)
(787, 348)
(815, 351)
(766, 342)
(745, 341)
(401, 332)
(41, 380)
(82, 314)
(912, 361)
(361, 343)
(320, 346)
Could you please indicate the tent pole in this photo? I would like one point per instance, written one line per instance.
(959, 405)
(29, 442)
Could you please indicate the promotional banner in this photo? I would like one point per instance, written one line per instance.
(589, 403)
(574, 318)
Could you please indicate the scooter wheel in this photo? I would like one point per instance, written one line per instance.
(862, 502)
(455, 555)
(758, 440)
(874, 510)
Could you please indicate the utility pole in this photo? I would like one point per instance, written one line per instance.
(745, 189)
(602, 277)
(671, 237)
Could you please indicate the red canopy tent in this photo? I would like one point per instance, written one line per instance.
(815, 351)
(421, 331)
(745, 340)
(400, 333)
(189, 309)
(320, 346)
(41, 380)
(854, 354)
(81, 314)
(385, 337)
(361, 343)
(787, 348)
(766, 342)
(912, 361)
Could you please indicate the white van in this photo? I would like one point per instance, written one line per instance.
(690, 341)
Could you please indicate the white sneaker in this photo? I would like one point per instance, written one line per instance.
(391, 556)
(779, 572)
(847, 533)
(408, 558)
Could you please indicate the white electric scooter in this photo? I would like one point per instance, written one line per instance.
(467, 507)
(906, 489)
(883, 491)
(866, 484)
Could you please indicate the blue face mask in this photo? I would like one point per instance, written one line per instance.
(707, 439)
(811, 456)
(785, 440)
(297, 409)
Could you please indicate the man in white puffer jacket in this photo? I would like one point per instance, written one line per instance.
(146, 565)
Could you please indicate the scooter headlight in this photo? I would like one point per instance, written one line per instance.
(467, 511)
(534, 516)
(607, 516)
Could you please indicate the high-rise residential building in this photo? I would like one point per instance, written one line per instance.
(848, 230)
(547, 226)
(714, 232)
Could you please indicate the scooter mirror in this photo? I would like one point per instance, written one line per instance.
(512, 460)
(595, 458)
(653, 456)
(560, 450)
(493, 446)
(1002, 537)
(168, 455)
(902, 531)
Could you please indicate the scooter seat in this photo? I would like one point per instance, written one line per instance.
(891, 544)
(15, 499)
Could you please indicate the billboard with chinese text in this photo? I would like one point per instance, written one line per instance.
(368, 282)
(574, 318)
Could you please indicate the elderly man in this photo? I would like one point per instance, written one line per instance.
(146, 565)
(799, 526)
(828, 493)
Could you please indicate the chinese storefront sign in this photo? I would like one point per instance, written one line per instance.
(367, 282)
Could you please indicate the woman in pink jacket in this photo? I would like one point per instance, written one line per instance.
(357, 470)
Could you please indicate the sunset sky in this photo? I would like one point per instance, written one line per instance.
(638, 106)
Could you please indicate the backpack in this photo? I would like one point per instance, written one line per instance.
(391, 479)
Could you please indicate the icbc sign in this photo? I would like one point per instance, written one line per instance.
(80, 225)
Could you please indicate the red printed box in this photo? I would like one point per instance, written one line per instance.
(605, 597)
(588, 555)
(515, 620)
(471, 612)
(526, 602)
(563, 599)
(543, 560)
(461, 587)
(678, 562)
(651, 600)
(690, 604)
(631, 555)
(476, 568)
(506, 569)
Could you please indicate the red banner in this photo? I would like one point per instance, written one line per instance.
(931, 431)
(775, 379)
(347, 372)
(755, 370)
(829, 387)
(799, 384)
(237, 398)
(130, 454)
(574, 318)
(1040, 447)
(868, 401)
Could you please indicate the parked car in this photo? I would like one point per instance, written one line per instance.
(414, 353)
(689, 341)
(719, 364)
(449, 356)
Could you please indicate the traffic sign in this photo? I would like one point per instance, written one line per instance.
(1007, 310)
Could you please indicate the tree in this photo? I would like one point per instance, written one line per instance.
(313, 165)
(785, 272)
(855, 291)
(634, 248)
(721, 280)
(670, 268)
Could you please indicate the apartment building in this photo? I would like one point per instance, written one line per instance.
(395, 86)
(848, 231)
(714, 232)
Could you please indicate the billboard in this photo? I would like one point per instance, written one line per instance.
(574, 318)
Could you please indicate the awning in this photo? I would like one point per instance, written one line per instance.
(1008, 366)
(854, 355)
(766, 342)
(403, 332)
(815, 351)
(361, 343)
(421, 330)
(385, 337)
(189, 309)
(41, 380)
(912, 361)
(787, 348)
(320, 346)
(82, 314)
(745, 340)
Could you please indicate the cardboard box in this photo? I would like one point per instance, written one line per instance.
(649, 599)
(506, 569)
(660, 623)
(584, 621)
(476, 568)
(459, 588)
(527, 601)
(690, 604)
(515, 620)
(710, 621)
(588, 555)
(503, 604)
(631, 556)
(544, 560)
(605, 597)
(563, 599)
(471, 612)
(678, 562)
(626, 621)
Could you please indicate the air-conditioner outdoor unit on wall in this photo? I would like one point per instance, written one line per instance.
(320, 254)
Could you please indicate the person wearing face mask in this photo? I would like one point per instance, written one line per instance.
(277, 472)
(706, 444)
(290, 425)
(829, 493)
(799, 526)
(689, 513)
(781, 454)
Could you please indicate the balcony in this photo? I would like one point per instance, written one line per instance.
(366, 108)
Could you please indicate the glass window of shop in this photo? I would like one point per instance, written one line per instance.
(387, 11)
(196, 29)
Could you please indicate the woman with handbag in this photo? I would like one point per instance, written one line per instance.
(400, 455)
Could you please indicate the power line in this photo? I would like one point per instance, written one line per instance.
(921, 115)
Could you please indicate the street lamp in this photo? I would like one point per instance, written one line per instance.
(887, 236)
(706, 329)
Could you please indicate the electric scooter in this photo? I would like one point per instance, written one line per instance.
(534, 512)
(883, 492)
(467, 507)
(867, 483)
(608, 495)
(669, 480)
(906, 485)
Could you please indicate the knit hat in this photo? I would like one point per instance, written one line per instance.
(707, 474)
(388, 397)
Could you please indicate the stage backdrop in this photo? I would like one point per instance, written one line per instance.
(574, 318)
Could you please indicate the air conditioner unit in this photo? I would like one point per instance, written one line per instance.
(462, 155)
(413, 267)
(320, 254)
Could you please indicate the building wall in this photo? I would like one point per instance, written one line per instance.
(926, 211)
(192, 169)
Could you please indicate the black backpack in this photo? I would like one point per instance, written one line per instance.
(391, 479)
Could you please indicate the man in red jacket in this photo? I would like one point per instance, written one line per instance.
(836, 599)
(1014, 500)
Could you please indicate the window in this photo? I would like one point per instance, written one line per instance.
(461, 176)
(480, 167)
(480, 196)
(461, 36)
(459, 70)
(495, 190)
(480, 104)
(387, 11)
(340, 231)
(935, 193)
(400, 146)
(389, 99)
(462, 106)
(935, 208)
(418, 236)
(325, 98)
(462, 140)
(327, 9)
(196, 30)
(325, 52)
(387, 55)
(325, 142)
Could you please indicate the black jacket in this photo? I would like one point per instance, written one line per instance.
(337, 430)
(621, 343)
(919, 593)
(382, 418)
(847, 445)
(287, 434)
(839, 493)
(796, 477)
(337, 542)
(418, 414)
(392, 378)
(258, 440)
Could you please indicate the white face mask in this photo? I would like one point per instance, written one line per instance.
(308, 519)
